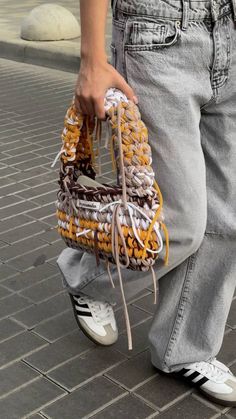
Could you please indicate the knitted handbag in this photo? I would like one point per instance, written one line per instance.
(119, 223)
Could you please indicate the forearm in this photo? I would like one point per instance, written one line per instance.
(93, 15)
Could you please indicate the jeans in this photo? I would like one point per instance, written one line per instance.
(180, 58)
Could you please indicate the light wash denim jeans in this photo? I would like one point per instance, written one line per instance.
(180, 58)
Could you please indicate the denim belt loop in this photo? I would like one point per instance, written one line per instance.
(234, 9)
(184, 25)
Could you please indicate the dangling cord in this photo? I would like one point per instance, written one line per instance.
(122, 168)
(90, 140)
(98, 139)
(155, 285)
(109, 274)
(127, 321)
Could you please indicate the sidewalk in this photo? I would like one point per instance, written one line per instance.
(64, 55)
(49, 369)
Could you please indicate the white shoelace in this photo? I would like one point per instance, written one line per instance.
(102, 310)
(212, 370)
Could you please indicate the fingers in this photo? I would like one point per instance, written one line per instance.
(94, 105)
(126, 89)
(84, 105)
(99, 108)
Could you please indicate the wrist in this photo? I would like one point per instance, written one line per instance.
(93, 58)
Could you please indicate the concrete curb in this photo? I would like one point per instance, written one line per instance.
(60, 55)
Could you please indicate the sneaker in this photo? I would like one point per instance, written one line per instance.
(212, 378)
(95, 318)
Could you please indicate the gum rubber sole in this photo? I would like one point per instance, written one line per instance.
(83, 329)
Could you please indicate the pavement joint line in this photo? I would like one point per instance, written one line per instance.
(26, 253)
(143, 309)
(30, 286)
(166, 406)
(20, 387)
(40, 301)
(104, 406)
(39, 323)
(88, 380)
(60, 363)
(8, 364)
(134, 388)
(196, 395)
(27, 416)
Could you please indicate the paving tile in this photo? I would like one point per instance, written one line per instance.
(12, 304)
(15, 188)
(44, 290)
(57, 327)
(16, 209)
(36, 181)
(140, 340)
(35, 314)
(15, 376)
(136, 316)
(92, 396)
(20, 248)
(60, 351)
(38, 191)
(34, 258)
(30, 399)
(134, 371)
(227, 352)
(7, 201)
(6, 271)
(126, 408)
(29, 174)
(188, 408)
(47, 197)
(80, 369)
(42, 212)
(163, 390)
(146, 303)
(4, 292)
(22, 233)
(30, 277)
(18, 346)
(14, 222)
(9, 328)
(50, 236)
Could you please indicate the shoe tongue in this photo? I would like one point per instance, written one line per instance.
(220, 365)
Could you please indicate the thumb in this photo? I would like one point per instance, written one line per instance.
(126, 89)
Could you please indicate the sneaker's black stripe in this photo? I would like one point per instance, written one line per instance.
(84, 313)
(181, 372)
(194, 375)
(191, 377)
(200, 382)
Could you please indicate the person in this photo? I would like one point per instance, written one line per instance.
(177, 60)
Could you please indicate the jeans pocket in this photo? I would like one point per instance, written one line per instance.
(150, 35)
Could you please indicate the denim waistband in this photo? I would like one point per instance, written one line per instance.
(184, 10)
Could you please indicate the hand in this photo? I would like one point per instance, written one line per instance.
(92, 83)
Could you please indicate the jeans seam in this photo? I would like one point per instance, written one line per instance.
(181, 307)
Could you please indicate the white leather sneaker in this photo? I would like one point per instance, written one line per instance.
(212, 378)
(95, 318)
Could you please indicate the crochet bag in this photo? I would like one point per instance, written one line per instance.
(119, 223)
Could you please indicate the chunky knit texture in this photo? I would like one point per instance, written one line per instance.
(120, 223)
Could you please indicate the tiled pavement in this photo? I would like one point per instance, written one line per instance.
(49, 368)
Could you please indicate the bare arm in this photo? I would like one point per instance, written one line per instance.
(96, 75)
